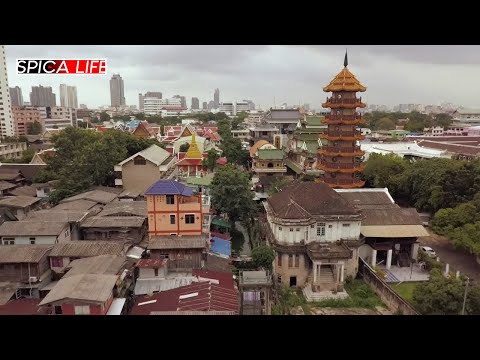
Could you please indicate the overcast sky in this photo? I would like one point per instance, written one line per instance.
(393, 74)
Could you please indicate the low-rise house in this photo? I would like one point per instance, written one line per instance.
(72, 217)
(24, 269)
(315, 233)
(115, 228)
(146, 131)
(43, 190)
(63, 254)
(20, 206)
(120, 208)
(12, 176)
(12, 150)
(5, 187)
(175, 209)
(26, 171)
(41, 157)
(84, 294)
(196, 298)
(184, 252)
(98, 196)
(79, 205)
(262, 131)
(269, 162)
(34, 232)
(26, 190)
(136, 173)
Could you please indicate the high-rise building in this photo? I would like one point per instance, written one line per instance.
(42, 96)
(195, 103)
(148, 94)
(16, 97)
(153, 105)
(183, 100)
(227, 107)
(251, 104)
(340, 156)
(211, 105)
(83, 106)
(216, 99)
(23, 118)
(68, 96)
(205, 105)
(117, 91)
(6, 119)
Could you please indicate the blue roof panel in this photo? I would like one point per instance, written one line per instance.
(220, 246)
(169, 187)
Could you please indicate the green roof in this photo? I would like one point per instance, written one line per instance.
(306, 137)
(312, 146)
(221, 222)
(199, 181)
(314, 120)
(270, 154)
(294, 166)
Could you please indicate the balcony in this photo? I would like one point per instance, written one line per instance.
(298, 247)
(337, 250)
(344, 183)
(341, 151)
(342, 135)
(205, 204)
(344, 119)
(343, 103)
(331, 166)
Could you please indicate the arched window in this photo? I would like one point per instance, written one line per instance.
(270, 165)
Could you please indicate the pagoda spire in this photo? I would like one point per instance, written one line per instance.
(193, 152)
(345, 61)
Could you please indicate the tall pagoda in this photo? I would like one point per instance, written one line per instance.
(340, 157)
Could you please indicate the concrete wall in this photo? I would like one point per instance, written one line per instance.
(65, 262)
(137, 177)
(48, 240)
(148, 273)
(286, 272)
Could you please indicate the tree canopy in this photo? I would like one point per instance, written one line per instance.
(263, 256)
(184, 147)
(34, 128)
(378, 120)
(231, 194)
(211, 161)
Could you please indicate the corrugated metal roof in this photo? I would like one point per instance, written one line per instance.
(168, 187)
(87, 248)
(359, 198)
(23, 253)
(76, 205)
(393, 216)
(117, 306)
(193, 313)
(102, 264)
(57, 215)
(150, 286)
(24, 191)
(33, 228)
(177, 242)
(99, 196)
(394, 231)
(4, 185)
(6, 294)
(114, 222)
(19, 201)
(94, 288)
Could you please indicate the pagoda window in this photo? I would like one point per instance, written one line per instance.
(270, 165)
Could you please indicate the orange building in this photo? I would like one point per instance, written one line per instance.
(173, 209)
(341, 157)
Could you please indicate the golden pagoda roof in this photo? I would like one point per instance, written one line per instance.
(344, 81)
(193, 152)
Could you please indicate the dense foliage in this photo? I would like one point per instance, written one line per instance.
(378, 120)
(263, 256)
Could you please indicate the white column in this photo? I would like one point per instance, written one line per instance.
(342, 273)
(389, 258)
(374, 258)
(337, 268)
(315, 272)
(414, 253)
(319, 268)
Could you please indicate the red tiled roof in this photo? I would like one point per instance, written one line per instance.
(201, 296)
(453, 148)
(189, 162)
(22, 307)
(151, 263)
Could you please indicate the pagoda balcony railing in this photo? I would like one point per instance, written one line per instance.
(342, 133)
(336, 149)
(336, 165)
(343, 117)
(343, 101)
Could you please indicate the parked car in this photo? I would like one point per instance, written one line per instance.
(428, 251)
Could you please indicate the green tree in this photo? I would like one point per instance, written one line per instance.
(34, 128)
(443, 120)
(263, 256)
(234, 152)
(231, 194)
(380, 170)
(44, 176)
(104, 116)
(385, 124)
(184, 147)
(236, 122)
(140, 116)
(466, 238)
(211, 161)
(278, 185)
(444, 296)
(224, 128)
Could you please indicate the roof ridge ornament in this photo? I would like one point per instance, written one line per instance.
(345, 61)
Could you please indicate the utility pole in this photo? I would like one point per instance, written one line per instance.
(465, 296)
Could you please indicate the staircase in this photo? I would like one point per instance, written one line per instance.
(167, 174)
(326, 276)
(311, 296)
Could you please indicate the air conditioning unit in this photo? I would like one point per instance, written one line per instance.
(32, 279)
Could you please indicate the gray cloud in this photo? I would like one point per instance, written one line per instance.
(393, 74)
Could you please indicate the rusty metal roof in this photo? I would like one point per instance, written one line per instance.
(88, 248)
(23, 253)
(177, 242)
(113, 222)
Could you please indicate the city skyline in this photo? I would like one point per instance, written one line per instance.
(291, 74)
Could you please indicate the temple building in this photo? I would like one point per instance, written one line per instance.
(192, 163)
(340, 156)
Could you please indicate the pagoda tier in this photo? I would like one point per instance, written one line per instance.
(341, 158)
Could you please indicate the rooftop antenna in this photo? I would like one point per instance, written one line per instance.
(274, 103)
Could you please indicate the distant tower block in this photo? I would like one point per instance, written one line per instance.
(340, 157)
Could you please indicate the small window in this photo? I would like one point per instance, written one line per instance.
(32, 242)
(82, 310)
(290, 260)
(155, 271)
(190, 219)
(139, 161)
(279, 260)
(346, 225)
(57, 261)
(297, 261)
(330, 226)
(279, 279)
(298, 229)
(312, 226)
(291, 229)
(170, 199)
(279, 228)
(172, 219)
